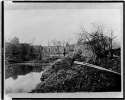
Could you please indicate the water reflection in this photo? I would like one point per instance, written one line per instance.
(15, 77)
(22, 78)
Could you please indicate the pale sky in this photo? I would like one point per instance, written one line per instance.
(59, 24)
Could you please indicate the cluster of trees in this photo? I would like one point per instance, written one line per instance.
(18, 48)
(15, 51)
(99, 41)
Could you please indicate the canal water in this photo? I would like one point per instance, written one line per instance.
(22, 78)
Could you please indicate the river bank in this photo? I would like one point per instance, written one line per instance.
(62, 77)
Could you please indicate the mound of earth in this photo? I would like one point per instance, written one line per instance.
(62, 77)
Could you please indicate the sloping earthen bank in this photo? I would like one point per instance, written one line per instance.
(62, 77)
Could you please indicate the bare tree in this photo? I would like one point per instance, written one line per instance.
(97, 41)
(64, 49)
(58, 46)
(48, 47)
(32, 45)
(112, 37)
(54, 42)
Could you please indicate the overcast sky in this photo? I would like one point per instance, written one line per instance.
(59, 24)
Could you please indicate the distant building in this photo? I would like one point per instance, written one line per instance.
(70, 47)
(38, 48)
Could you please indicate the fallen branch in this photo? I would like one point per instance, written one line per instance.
(94, 66)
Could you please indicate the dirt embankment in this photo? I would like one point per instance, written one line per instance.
(62, 77)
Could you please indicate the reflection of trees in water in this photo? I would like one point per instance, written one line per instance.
(15, 77)
(20, 70)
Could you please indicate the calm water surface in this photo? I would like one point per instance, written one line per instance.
(22, 79)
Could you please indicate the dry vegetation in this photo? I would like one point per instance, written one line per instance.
(63, 75)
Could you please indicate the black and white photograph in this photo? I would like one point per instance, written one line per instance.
(68, 48)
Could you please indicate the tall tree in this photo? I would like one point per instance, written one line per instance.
(99, 43)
